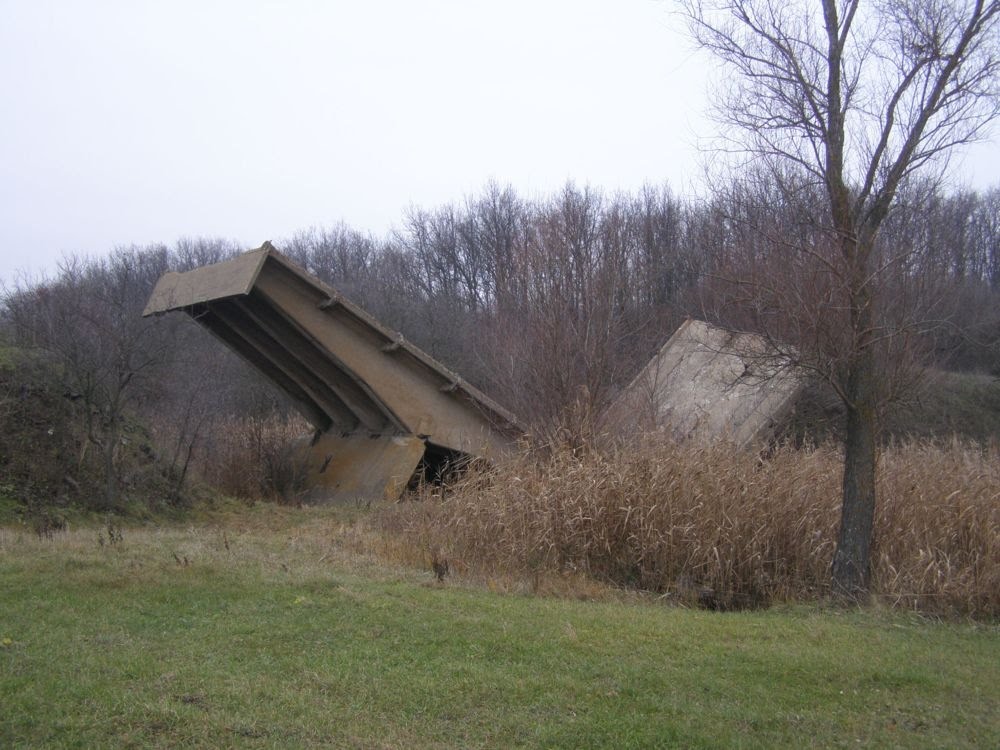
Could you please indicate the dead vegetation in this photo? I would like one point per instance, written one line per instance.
(258, 458)
(716, 528)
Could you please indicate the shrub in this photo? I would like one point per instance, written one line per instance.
(48, 460)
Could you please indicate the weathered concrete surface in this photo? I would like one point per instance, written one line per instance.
(708, 383)
(375, 399)
(353, 466)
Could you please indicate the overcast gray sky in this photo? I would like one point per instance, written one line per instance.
(131, 121)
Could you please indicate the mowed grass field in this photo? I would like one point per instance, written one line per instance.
(284, 628)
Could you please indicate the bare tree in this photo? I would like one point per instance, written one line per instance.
(88, 320)
(855, 100)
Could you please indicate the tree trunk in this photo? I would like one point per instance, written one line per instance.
(851, 570)
(852, 560)
(111, 474)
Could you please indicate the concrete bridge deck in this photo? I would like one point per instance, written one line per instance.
(379, 404)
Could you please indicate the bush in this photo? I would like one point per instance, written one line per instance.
(39, 442)
(48, 463)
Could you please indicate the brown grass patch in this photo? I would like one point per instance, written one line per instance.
(719, 528)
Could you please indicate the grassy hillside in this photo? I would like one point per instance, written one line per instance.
(50, 469)
(279, 628)
(966, 404)
(945, 404)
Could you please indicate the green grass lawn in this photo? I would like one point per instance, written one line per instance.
(282, 630)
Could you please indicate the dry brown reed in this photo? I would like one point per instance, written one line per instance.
(937, 544)
(720, 528)
(257, 458)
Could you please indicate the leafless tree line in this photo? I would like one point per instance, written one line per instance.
(550, 305)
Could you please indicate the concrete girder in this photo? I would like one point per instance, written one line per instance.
(352, 378)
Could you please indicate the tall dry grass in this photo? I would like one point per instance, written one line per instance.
(257, 458)
(722, 528)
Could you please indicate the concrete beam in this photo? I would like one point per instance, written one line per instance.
(349, 375)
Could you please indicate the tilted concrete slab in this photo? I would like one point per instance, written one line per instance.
(708, 383)
(375, 399)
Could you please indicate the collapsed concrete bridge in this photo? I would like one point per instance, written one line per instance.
(381, 406)
(383, 409)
